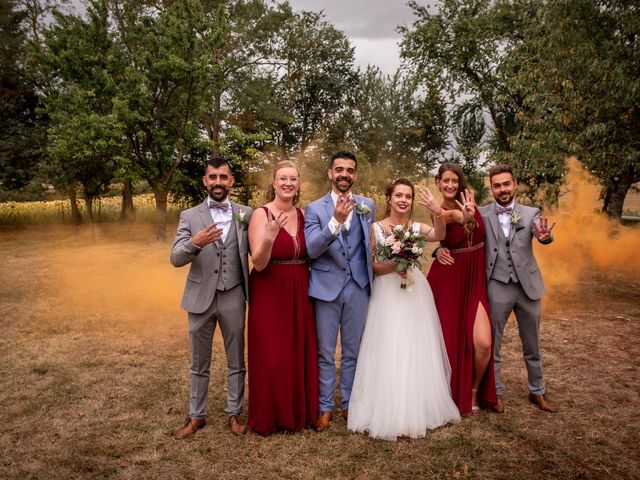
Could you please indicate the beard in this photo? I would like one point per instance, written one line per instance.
(343, 188)
(220, 195)
(506, 202)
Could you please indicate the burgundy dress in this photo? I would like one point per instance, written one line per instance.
(283, 365)
(458, 291)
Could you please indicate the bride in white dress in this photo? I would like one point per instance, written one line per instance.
(401, 386)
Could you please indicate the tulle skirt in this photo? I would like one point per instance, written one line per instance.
(401, 386)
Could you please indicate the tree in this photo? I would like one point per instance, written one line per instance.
(468, 46)
(85, 137)
(164, 62)
(469, 131)
(580, 88)
(22, 126)
(315, 75)
(393, 122)
(555, 78)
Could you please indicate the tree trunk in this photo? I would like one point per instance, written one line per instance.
(161, 195)
(75, 211)
(617, 190)
(215, 126)
(88, 201)
(127, 213)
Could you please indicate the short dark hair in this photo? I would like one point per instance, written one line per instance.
(343, 154)
(217, 162)
(500, 168)
(457, 169)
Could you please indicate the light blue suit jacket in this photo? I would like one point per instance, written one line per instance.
(328, 253)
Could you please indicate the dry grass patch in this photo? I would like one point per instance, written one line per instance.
(93, 375)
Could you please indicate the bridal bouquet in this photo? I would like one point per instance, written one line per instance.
(403, 247)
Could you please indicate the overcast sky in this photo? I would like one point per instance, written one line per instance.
(369, 24)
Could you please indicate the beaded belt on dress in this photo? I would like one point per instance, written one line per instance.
(469, 249)
(288, 262)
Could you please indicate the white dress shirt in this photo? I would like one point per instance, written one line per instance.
(505, 220)
(222, 219)
(333, 225)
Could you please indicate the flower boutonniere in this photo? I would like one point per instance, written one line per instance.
(362, 209)
(516, 216)
(241, 217)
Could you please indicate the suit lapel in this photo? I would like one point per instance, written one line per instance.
(515, 226)
(363, 218)
(329, 207)
(207, 219)
(493, 221)
(236, 220)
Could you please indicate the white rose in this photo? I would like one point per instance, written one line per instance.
(390, 240)
(416, 250)
(396, 247)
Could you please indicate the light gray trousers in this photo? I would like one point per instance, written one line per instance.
(503, 299)
(228, 310)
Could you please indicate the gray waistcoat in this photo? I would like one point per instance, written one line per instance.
(503, 269)
(230, 267)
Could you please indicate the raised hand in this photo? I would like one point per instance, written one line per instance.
(468, 205)
(204, 237)
(344, 205)
(426, 199)
(273, 226)
(542, 229)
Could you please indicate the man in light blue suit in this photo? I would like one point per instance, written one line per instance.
(337, 230)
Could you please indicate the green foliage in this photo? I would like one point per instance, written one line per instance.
(555, 78)
(22, 126)
(393, 123)
(85, 136)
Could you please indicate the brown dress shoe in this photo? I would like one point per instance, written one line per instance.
(499, 406)
(236, 426)
(540, 402)
(322, 423)
(191, 426)
(345, 414)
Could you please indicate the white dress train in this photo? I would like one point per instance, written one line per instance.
(401, 385)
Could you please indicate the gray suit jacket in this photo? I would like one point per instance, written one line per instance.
(203, 274)
(520, 247)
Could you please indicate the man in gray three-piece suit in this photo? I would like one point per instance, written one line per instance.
(337, 228)
(514, 279)
(212, 237)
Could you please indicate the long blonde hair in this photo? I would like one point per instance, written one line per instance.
(270, 194)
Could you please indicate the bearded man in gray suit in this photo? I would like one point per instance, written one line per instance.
(514, 279)
(212, 237)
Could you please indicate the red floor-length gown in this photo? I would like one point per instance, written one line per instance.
(458, 289)
(283, 365)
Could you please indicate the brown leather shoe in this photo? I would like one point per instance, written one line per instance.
(542, 403)
(236, 426)
(322, 423)
(499, 406)
(191, 426)
(345, 414)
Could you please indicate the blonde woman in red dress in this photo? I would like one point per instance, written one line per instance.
(283, 366)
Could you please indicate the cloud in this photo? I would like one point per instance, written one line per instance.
(362, 19)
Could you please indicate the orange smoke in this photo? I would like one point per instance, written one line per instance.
(584, 238)
(116, 275)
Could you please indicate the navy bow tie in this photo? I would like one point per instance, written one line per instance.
(500, 209)
(219, 206)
